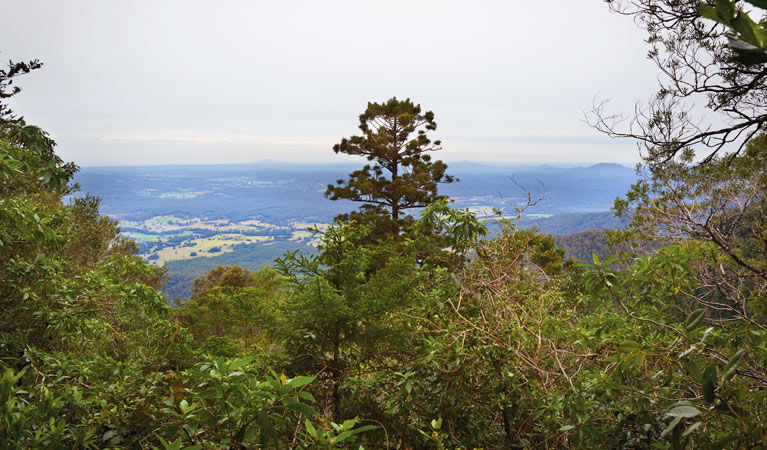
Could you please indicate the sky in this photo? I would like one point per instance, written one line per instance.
(202, 82)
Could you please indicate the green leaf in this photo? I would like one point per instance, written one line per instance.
(683, 411)
(745, 27)
(709, 384)
(310, 428)
(694, 319)
(303, 409)
(207, 393)
(693, 370)
(691, 428)
(628, 347)
(306, 396)
(237, 363)
(343, 436)
(186, 407)
(732, 365)
(349, 423)
(709, 12)
(566, 427)
(671, 426)
(725, 9)
(365, 428)
(297, 382)
(761, 35)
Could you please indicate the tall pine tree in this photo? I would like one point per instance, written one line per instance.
(403, 176)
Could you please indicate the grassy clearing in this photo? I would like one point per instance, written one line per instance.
(228, 235)
(145, 237)
(306, 225)
(201, 247)
(141, 236)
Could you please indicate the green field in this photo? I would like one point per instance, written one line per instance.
(170, 238)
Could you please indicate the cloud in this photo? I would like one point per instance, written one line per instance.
(195, 140)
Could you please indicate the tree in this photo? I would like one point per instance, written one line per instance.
(701, 193)
(700, 60)
(7, 90)
(403, 176)
(230, 307)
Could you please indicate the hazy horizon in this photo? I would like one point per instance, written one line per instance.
(362, 161)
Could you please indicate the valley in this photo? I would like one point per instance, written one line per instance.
(191, 218)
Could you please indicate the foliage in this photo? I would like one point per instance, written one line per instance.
(7, 90)
(91, 356)
(748, 39)
(699, 62)
(230, 308)
(394, 136)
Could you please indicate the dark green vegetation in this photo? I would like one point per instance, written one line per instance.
(181, 274)
(406, 341)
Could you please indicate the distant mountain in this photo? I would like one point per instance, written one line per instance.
(289, 191)
(561, 224)
(250, 213)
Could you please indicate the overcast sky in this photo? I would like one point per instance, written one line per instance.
(159, 82)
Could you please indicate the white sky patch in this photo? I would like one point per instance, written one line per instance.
(145, 82)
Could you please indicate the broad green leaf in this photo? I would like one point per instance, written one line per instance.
(683, 411)
(671, 426)
(744, 26)
(207, 393)
(708, 12)
(306, 396)
(725, 9)
(310, 428)
(694, 319)
(237, 363)
(693, 370)
(709, 383)
(732, 365)
(761, 35)
(365, 428)
(628, 347)
(691, 428)
(297, 382)
(566, 427)
(343, 436)
(303, 409)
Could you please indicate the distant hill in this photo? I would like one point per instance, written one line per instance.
(194, 217)
(574, 222)
(286, 191)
